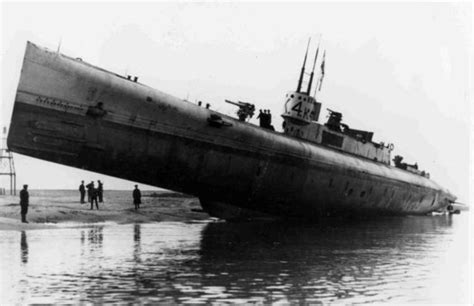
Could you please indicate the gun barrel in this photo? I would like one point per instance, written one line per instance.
(232, 102)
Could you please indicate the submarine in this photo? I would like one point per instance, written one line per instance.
(73, 113)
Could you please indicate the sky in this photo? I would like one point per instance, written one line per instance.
(401, 70)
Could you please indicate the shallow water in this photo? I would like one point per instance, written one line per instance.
(396, 259)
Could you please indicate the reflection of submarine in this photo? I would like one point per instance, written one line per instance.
(252, 239)
(331, 261)
(70, 112)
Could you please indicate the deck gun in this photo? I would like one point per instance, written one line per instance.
(246, 110)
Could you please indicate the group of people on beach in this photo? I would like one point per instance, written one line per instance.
(92, 193)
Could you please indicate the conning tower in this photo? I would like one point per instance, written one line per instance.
(300, 108)
(301, 113)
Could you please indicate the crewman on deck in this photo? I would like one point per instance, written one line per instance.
(100, 191)
(137, 197)
(24, 202)
(269, 121)
(82, 190)
(260, 118)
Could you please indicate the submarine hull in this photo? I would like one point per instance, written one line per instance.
(70, 112)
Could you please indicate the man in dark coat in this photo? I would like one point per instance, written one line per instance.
(24, 202)
(261, 118)
(93, 194)
(100, 191)
(137, 197)
(269, 120)
(89, 187)
(82, 190)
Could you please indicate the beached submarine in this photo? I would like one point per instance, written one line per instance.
(70, 112)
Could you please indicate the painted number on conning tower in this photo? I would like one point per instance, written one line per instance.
(297, 108)
(303, 112)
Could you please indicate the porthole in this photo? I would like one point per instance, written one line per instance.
(292, 96)
(299, 97)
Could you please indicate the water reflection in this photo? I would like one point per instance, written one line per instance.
(136, 242)
(24, 248)
(396, 260)
(358, 260)
(95, 237)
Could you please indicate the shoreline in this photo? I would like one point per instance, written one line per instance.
(53, 208)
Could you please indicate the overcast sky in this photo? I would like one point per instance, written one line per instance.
(401, 70)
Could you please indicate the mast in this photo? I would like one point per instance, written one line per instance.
(314, 66)
(298, 89)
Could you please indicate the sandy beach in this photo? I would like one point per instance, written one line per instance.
(53, 208)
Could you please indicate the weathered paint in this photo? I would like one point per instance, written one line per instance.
(154, 138)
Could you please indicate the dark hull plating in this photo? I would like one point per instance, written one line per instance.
(153, 138)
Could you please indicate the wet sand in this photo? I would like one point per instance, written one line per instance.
(54, 208)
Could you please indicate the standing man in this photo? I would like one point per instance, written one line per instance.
(82, 190)
(24, 201)
(100, 191)
(93, 193)
(89, 187)
(260, 118)
(137, 197)
(265, 119)
(269, 119)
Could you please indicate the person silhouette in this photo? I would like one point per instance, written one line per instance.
(24, 203)
(93, 195)
(100, 191)
(260, 118)
(82, 190)
(137, 197)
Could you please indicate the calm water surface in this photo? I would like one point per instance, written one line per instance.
(397, 259)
